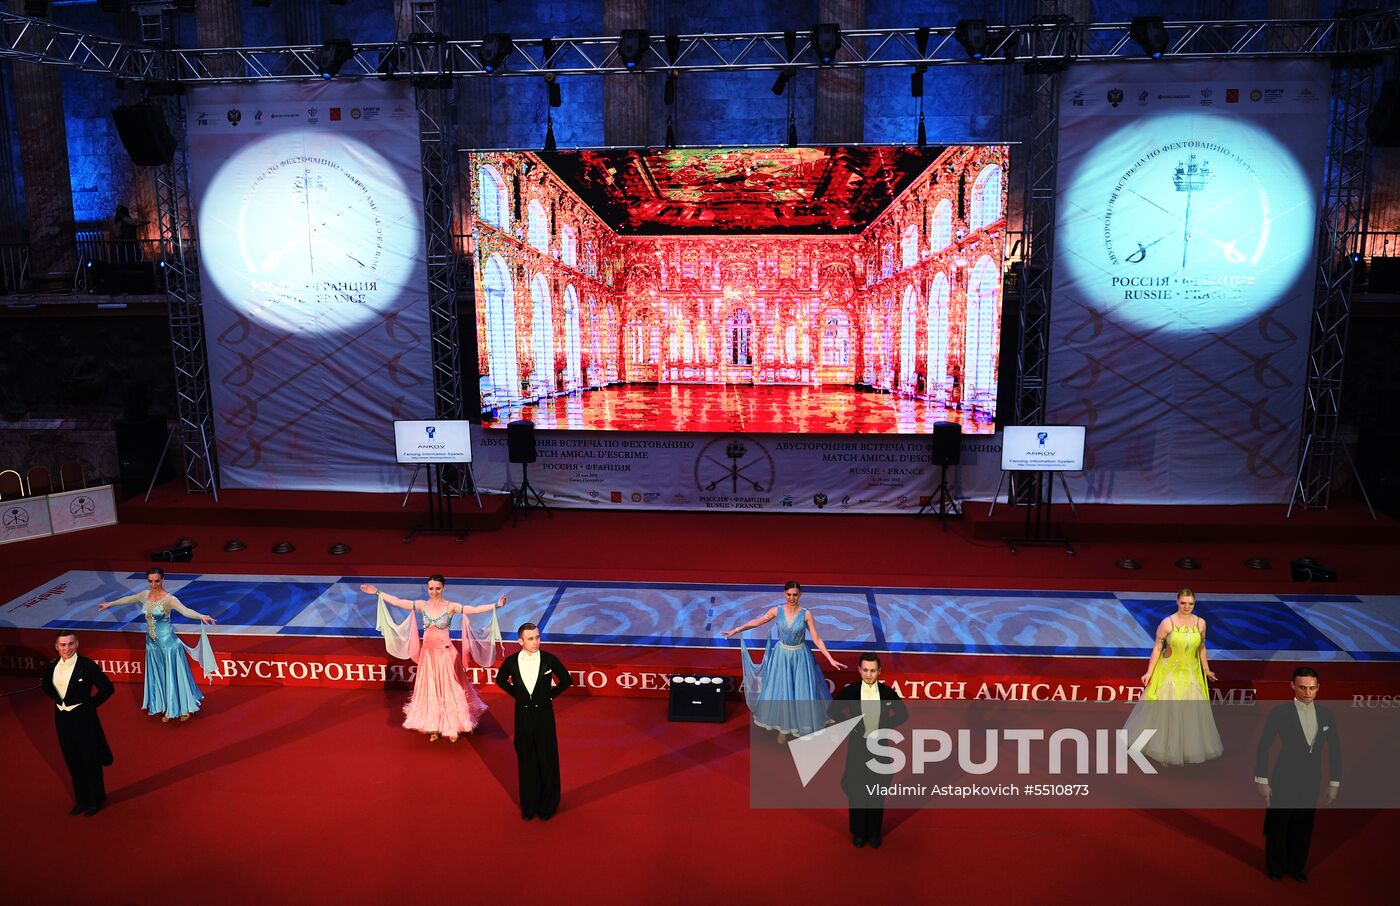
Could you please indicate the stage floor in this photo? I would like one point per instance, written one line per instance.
(724, 408)
(933, 621)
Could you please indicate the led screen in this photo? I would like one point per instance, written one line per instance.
(784, 290)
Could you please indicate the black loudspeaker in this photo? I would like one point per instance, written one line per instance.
(145, 134)
(697, 699)
(1383, 275)
(1308, 570)
(139, 445)
(121, 278)
(947, 443)
(520, 441)
(1383, 125)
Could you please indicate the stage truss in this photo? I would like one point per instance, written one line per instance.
(1044, 46)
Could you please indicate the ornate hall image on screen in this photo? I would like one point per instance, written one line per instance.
(844, 290)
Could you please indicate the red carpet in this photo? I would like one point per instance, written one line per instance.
(825, 548)
(289, 795)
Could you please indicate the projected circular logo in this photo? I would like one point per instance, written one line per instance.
(304, 231)
(1187, 222)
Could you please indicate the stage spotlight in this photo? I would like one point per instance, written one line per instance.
(916, 81)
(556, 97)
(495, 47)
(181, 551)
(283, 547)
(780, 83)
(1151, 35)
(632, 47)
(1257, 563)
(1188, 563)
(972, 34)
(338, 549)
(332, 55)
(233, 546)
(1129, 563)
(1306, 569)
(826, 41)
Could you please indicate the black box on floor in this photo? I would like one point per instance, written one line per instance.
(1306, 570)
(697, 698)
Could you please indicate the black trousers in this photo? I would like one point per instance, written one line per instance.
(1287, 833)
(866, 822)
(537, 760)
(84, 752)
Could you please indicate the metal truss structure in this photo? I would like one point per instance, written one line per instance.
(180, 268)
(1341, 235)
(1044, 45)
(1049, 38)
(440, 199)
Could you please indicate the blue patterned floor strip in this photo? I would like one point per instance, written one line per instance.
(915, 620)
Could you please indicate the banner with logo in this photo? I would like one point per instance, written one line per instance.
(73, 511)
(308, 198)
(767, 472)
(1184, 279)
(23, 519)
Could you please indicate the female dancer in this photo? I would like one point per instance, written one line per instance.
(787, 692)
(1176, 700)
(170, 687)
(443, 702)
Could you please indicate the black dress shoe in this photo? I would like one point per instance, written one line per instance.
(1300, 876)
(76, 810)
(875, 842)
(91, 810)
(857, 842)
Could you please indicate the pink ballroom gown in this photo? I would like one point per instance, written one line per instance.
(443, 699)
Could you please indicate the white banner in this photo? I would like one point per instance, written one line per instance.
(772, 472)
(73, 511)
(309, 203)
(23, 519)
(1183, 280)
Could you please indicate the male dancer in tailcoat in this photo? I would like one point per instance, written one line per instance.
(534, 678)
(1303, 730)
(881, 709)
(78, 687)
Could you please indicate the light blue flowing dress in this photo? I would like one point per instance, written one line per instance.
(170, 688)
(786, 692)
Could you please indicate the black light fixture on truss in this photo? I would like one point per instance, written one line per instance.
(332, 55)
(826, 41)
(1150, 33)
(632, 47)
(974, 37)
(916, 82)
(495, 47)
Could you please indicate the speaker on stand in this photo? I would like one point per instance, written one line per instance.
(141, 444)
(947, 451)
(520, 446)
